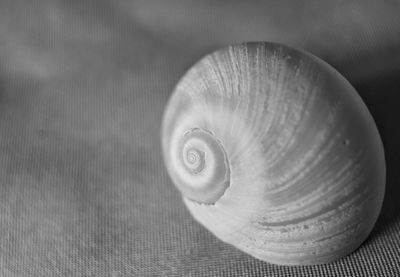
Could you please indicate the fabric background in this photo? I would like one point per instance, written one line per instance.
(83, 85)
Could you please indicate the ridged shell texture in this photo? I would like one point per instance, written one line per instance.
(275, 153)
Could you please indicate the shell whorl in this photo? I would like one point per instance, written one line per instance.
(275, 153)
(201, 165)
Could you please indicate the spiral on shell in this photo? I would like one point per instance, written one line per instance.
(275, 153)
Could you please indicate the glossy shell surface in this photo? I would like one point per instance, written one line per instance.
(275, 153)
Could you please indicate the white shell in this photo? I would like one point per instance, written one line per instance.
(275, 153)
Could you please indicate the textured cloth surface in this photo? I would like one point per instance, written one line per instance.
(83, 85)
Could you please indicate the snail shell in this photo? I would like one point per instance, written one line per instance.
(275, 153)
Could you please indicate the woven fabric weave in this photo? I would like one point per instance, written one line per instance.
(83, 86)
